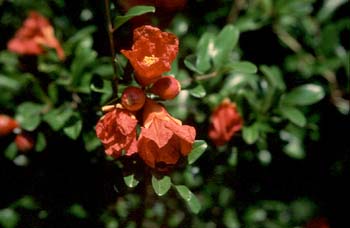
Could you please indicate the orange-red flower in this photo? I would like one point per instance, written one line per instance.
(152, 53)
(224, 122)
(117, 131)
(35, 34)
(24, 142)
(7, 124)
(163, 139)
(319, 222)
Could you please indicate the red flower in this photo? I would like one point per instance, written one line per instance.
(152, 53)
(35, 33)
(117, 131)
(163, 139)
(7, 125)
(24, 142)
(224, 122)
(317, 223)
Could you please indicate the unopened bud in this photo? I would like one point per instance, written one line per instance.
(166, 87)
(133, 98)
(7, 125)
(24, 142)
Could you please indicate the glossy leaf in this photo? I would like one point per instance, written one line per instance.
(191, 63)
(132, 12)
(242, 67)
(250, 133)
(304, 95)
(294, 115)
(57, 118)
(131, 181)
(198, 149)
(224, 43)
(189, 198)
(161, 186)
(40, 142)
(203, 47)
(198, 91)
(29, 115)
(274, 77)
(74, 127)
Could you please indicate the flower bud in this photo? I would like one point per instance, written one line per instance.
(133, 98)
(7, 125)
(24, 142)
(166, 87)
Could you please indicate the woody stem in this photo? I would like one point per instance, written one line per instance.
(110, 31)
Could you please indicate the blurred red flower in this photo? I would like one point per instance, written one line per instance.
(24, 142)
(117, 131)
(224, 122)
(152, 53)
(163, 139)
(35, 33)
(7, 124)
(317, 223)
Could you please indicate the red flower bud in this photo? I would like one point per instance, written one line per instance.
(7, 125)
(24, 142)
(133, 98)
(166, 87)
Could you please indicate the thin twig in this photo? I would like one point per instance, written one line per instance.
(110, 31)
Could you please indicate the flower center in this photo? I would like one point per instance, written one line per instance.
(149, 60)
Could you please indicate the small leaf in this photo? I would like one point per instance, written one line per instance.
(243, 67)
(11, 151)
(131, 181)
(294, 115)
(224, 43)
(9, 218)
(57, 118)
(74, 127)
(191, 63)
(274, 77)
(40, 142)
(189, 198)
(250, 134)
(198, 91)
(198, 149)
(28, 115)
(304, 95)
(132, 12)
(203, 58)
(161, 186)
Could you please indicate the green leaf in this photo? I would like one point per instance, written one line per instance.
(242, 67)
(161, 186)
(294, 115)
(132, 12)
(198, 149)
(274, 77)
(40, 142)
(191, 63)
(9, 83)
(9, 218)
(224, 43)
(304, 95)
(250, 134)
(189, 198)
(58, 117)
(131, 181)
(28, 115)
(197, 90)
(203, 47)
(11, 151)
(294, 148)
(73, 128)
